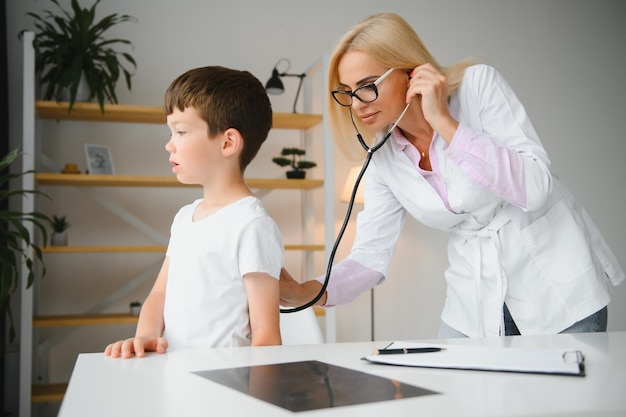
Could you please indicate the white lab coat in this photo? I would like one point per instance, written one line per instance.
(547, 261)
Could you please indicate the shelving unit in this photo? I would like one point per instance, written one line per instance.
(48, 110)
(84, 320)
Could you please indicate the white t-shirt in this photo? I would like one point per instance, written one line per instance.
(205, 300)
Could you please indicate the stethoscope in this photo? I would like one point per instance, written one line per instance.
(370, 152)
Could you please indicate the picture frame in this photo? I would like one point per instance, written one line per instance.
(99, 159)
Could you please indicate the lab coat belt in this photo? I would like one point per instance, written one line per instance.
(488, 276)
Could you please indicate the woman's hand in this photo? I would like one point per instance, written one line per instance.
(294, 294)
(432, 87)
(289, 290)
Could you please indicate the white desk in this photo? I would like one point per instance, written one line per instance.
(164, 385)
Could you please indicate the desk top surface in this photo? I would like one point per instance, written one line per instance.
(168, 385)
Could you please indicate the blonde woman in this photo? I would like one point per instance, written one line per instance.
(464, 158)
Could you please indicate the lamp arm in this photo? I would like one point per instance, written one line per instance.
(301, 76)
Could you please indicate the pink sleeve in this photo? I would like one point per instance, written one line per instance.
(348, 279)
(490, 164)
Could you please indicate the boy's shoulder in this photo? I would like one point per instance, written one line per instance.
(249, 205)
(191, 206)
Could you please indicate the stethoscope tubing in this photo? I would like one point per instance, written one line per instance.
(331, 258)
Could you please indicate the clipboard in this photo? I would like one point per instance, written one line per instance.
(487, 358)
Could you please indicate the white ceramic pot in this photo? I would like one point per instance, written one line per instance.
(82, 93)
(58, 239)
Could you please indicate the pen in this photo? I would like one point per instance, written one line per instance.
(409, 350)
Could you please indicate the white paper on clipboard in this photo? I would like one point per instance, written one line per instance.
(487, 358)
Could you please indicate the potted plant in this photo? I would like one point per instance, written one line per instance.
(59, 231)
(298, 165)
(70, 47)
(17, 242)
(135, 308)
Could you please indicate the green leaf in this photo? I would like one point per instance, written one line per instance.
(18, 249)
(71, 43)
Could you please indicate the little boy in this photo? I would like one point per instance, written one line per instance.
(218, 286)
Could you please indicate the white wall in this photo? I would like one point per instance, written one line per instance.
(565, 58)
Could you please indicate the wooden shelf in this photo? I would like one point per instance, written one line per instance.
(319, 311)
(304, 247)
(44, 393)
(70, 320)
(53, 110)
(295, 120)
(84, 320)
(87, 180)
(100, 249)
(130, 249)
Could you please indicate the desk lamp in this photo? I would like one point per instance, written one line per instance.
(349, 185)
(275, 86)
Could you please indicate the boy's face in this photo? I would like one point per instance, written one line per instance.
(193, 155)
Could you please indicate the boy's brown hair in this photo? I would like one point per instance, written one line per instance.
(225, 98)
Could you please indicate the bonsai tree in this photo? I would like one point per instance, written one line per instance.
(71, 45)
(17, 242)
(297, 164)
(59, 224)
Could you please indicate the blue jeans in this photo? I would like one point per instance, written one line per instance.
(594, 323)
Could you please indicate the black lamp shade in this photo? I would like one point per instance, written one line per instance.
(274, 85)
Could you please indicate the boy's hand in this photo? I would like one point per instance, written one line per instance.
(137, 346)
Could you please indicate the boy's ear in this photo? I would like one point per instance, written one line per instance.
(232, 143)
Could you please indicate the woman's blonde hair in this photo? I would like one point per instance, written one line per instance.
(392, 42)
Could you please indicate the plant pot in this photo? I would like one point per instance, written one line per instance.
(82, 92)
(300, 175)
(135, 308)
(58, 239)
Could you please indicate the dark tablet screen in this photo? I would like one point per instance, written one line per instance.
(311, 385)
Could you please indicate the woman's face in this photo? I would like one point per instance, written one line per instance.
(357, 69)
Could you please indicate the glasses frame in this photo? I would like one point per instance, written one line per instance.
(351, 94)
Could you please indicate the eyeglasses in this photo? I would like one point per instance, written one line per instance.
(365, 93)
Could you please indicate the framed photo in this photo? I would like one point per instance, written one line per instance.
(99, 160)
